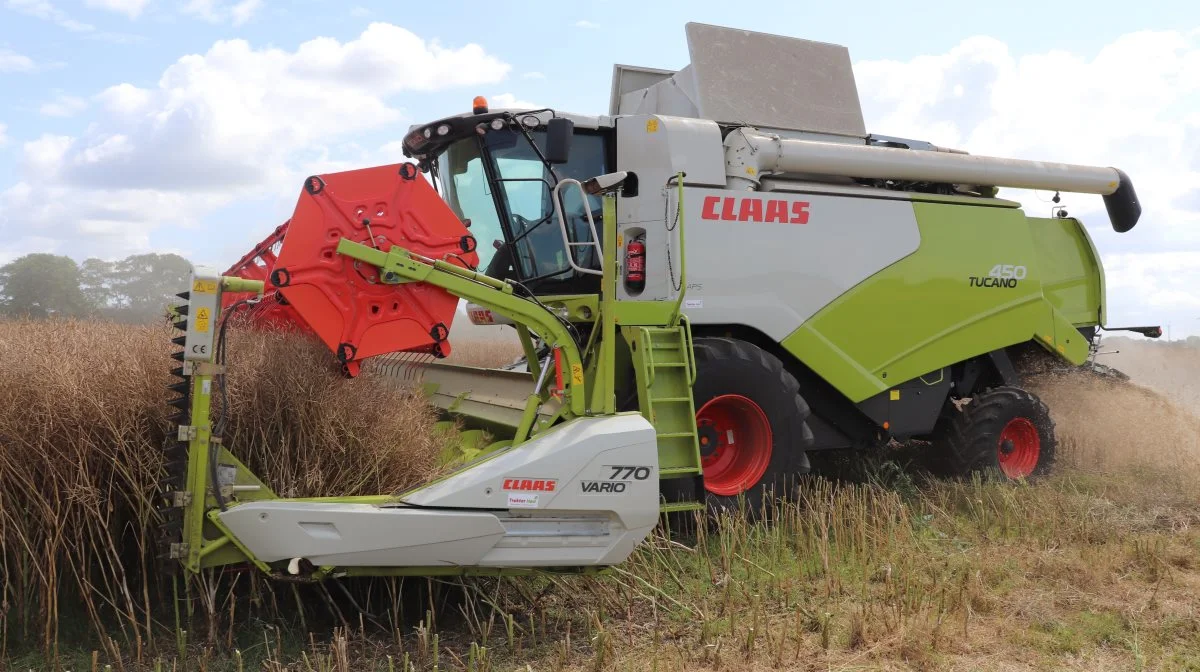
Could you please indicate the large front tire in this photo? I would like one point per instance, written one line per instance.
(752, 425)
(1006, 431)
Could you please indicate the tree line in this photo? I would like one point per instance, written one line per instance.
(137, 288)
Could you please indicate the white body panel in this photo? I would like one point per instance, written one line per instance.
(585, 493)
(746, 266)
(656, 149)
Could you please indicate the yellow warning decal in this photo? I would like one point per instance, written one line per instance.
(204, 286)
(651, 125)
(577, 374)
(895, 395)
(202, 316)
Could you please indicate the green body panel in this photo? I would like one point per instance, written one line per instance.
(922, 313)
(1072, 277)
(585, 308)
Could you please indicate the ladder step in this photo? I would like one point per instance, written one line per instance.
(675, 435)
(668, 365)
(671, 399)
(676, 507)
(678, 471)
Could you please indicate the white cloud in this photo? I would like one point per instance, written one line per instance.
(220, 11)
(124, 100)
(583, 23)
(243, 11)
(502, 101)
(42, 9)
(3, 134)
(130, 8)
(533, 75)
(236, 122)
(11, 61)
(359, 12)
(1059, 106)
(64, 106)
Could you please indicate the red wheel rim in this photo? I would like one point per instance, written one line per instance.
(743, 450)
(1019, 449)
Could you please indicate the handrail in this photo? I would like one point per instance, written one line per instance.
(682, 250)
(562, 225)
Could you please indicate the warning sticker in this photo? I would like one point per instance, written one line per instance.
(577, 374)
(522, 501)
(204, 286)
(202, 318)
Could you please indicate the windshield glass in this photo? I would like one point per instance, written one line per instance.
(465, 188)
(525, 199)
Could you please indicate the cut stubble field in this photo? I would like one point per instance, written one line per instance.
(1094, 568)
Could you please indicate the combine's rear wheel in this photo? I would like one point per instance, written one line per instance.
(752, 424)
(1005, 430)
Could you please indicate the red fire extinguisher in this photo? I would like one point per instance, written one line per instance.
(635, 265)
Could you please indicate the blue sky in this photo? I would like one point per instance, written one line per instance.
(134, 125)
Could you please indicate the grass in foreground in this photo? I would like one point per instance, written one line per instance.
(1094, 568)
(1080, 572)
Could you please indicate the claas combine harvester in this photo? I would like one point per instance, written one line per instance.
(835, 290)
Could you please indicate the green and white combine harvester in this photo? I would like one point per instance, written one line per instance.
(836, 290)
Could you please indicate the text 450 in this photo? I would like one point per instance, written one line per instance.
(1007, 271)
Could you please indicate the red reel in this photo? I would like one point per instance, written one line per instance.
(273, 311)
(343, 300)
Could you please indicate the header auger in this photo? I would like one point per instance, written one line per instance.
(836, 290)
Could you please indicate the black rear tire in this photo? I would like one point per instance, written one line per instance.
(746, 380)
(1004, 432)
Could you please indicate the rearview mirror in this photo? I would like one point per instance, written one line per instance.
(608, 182)
(558, 139)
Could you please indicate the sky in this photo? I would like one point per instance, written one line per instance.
(129, 126)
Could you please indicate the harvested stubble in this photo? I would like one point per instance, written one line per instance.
(82, 425)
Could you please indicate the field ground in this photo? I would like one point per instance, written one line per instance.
(1094, 568)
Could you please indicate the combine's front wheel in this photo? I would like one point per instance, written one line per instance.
(751, 422)
(1005, 430)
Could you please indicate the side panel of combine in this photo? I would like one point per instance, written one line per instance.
(772, 260)
(976, 284)
(1072, 277)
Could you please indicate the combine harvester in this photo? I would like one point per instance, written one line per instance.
(835, 290)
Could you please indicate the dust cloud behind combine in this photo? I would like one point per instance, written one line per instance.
(1150, 423)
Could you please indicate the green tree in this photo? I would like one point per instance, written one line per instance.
(96, 283)
(142, 286)
(42, 285)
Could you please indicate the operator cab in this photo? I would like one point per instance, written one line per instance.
(498, 172)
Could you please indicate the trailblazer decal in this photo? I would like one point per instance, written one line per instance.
(618, 480)
(1002, 275)
(754, 209)
(530, 484)
(516, 501)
